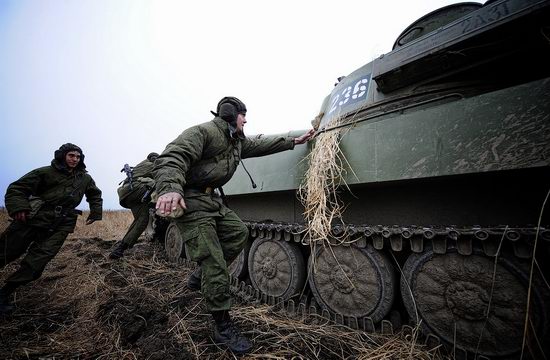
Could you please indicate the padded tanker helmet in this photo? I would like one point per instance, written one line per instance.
(152, 156)
(59, 155)
(228, 108)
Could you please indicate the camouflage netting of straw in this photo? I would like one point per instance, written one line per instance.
(318, 190)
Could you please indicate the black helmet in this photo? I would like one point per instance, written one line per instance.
(59, 155)
(228, 108)
(152, 156)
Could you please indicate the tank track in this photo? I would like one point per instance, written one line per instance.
(440, 238)
(398, 239)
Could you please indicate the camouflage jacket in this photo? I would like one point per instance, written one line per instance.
(55, 186)
(206, 155)
(142, 176)
(143, 170)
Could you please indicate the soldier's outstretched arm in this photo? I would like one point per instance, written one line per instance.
(304, 138)
(266, 145)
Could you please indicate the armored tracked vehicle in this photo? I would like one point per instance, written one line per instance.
(448, 137)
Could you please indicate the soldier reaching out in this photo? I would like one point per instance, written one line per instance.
(203, 158)
(134, 195)
(42, 204)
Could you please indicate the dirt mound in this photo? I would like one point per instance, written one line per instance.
(87, 306)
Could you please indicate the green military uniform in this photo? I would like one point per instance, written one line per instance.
(132, 197)
(204, 157)
(43, 235)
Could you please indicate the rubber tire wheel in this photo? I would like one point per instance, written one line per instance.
(277, 268)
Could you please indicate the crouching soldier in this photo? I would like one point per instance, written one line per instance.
(42, 204)
(134, 194)
(205, 157)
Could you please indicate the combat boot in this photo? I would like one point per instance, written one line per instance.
(194, 281)
(5, 305)
(118, 251)
(226, 332)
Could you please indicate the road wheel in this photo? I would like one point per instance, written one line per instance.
(352, 282)
(277, 268)
(452, 294)
(173, 243)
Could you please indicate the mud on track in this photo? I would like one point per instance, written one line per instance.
(87, 306)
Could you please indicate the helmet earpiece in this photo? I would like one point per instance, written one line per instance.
(228, 108)
(228, 112)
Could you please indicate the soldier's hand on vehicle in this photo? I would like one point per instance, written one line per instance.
(90, 221)
(304, 138)
(21, 216)
(170, 202)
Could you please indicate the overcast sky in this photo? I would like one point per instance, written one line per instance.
(123, 78)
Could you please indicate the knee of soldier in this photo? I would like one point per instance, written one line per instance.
(50, 252)
(217, 293)
(215, 273)
(55, 242)
(36, 274)
(33, 270)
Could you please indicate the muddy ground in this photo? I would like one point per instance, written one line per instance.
(87, 306)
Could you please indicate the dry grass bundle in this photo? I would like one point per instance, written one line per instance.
(318, 190)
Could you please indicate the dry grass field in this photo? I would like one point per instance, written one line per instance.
(112, 227)
(86, 306)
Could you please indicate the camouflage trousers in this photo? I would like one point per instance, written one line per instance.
(141, 218)
(214, 242)
(140, 211)
(41, 246)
